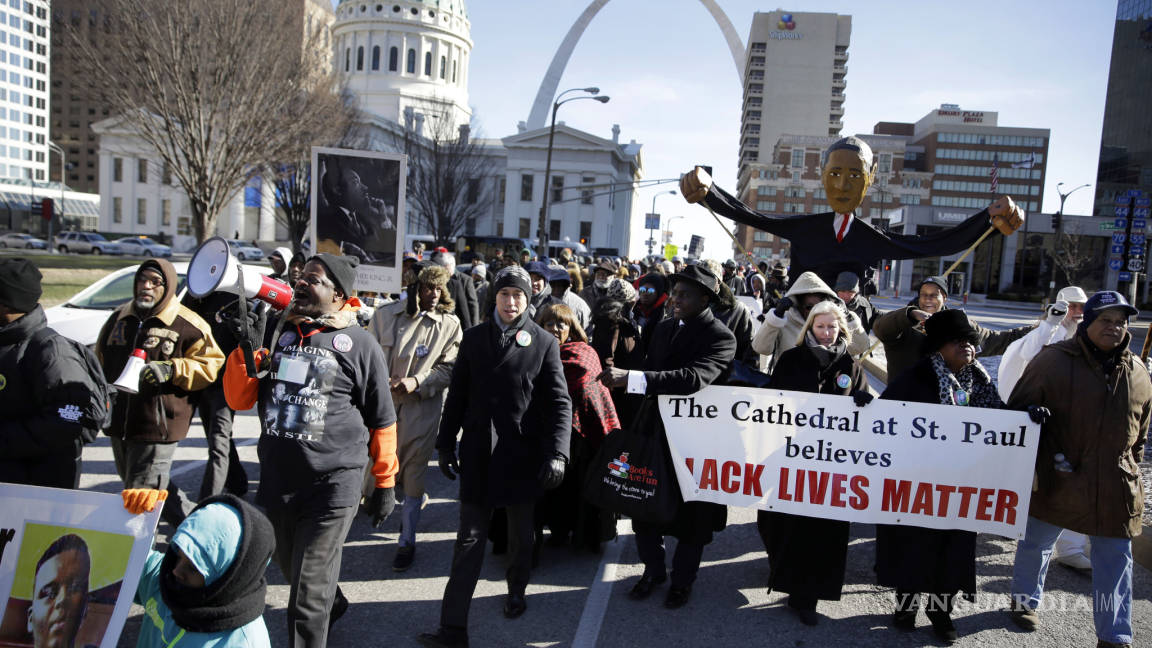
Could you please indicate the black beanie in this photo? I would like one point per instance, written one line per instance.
(341, 270)
(19, 285)
(513, 277)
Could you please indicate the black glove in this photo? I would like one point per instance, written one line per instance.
(1038, 414)
(158, 372)
(257, 319)
(862, 397)
(782, 306)
(448, 464)
(381, 505)
(552, 472)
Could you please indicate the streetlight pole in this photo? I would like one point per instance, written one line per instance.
(542, 239)
(53, 146)
(669, 226)
(653, 213)
(1059, 224)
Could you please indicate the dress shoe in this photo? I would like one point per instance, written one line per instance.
(339, 607)
(677, 597)
(444, 638)
(904, 620)
(807, 617)
(1024, 617)
(514, 605)
(404, 557)
(643, 587)
(943, 627)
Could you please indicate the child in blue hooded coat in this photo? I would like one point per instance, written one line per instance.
(208, 589)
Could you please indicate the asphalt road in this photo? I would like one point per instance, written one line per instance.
(580, 599)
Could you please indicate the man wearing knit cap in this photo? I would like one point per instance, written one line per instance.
(323, 399)
(45, 388)
(420, 338)
(182, 358)
(509, 396)
(561, 283)
(848, 290)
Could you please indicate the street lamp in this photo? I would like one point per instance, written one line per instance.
(669, 226)
(653, 214)
(543, 230)
(53, 146)
(1057, 223)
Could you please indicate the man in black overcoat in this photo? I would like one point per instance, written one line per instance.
(509, 396)
(689, 351)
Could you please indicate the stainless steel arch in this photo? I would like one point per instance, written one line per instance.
(544, 96)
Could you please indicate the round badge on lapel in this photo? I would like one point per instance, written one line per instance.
(961, 397)
(523, 338)
(842, 381)
(342, 343)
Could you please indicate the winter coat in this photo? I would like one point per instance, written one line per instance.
(513, 407)
(40, 381)
(171, 332)
(735, 315)
(1020, 353)
(863, 308)
(463, 292)
(592, 294)
(807, 555)
(212, 537)
(905, 343)
(1100, 424)
(777, 334)
(916, 559)
(683, 359)
(579, 308)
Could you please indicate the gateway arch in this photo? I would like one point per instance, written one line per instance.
(547, 91)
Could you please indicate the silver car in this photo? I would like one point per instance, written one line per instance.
(23, 241)
(142, 246)
(86, 242)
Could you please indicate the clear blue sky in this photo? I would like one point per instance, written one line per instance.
(675, 90)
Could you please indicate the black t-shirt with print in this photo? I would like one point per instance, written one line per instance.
(325, 390)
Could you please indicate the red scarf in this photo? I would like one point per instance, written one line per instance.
(593, 413)
(647, 312)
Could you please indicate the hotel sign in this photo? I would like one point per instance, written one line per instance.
(964, 116)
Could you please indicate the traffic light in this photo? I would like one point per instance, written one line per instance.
(1056, 222)
(47, 208)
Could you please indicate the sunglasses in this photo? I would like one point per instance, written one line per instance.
(647, 290)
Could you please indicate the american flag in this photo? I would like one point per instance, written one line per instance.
(995, 172)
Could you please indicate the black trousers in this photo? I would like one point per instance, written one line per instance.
(685, 561)
(309, 545)
(468, 558)
(223, 469)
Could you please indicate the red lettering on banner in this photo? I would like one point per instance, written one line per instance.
(817, 487)
(782, 490)
(1006, 502)
(922, 503)
(859, 499)
(966, 493)
(708, 474)
(730, 477)
(689, 461)
(986, 495)
(800, 485)
(838, 490)
(896, 495)
(944, 491)
(752, 476)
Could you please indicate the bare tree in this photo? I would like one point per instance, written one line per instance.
(451, 180)
(1073, 254)
(217, 87)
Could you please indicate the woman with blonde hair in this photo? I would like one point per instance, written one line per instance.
(807, 555)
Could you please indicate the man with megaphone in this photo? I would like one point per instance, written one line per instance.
(153, 411)
(325, 412)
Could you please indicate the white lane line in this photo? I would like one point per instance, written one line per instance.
(199, 463)
(600, 593)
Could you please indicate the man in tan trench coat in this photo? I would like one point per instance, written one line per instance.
(420, 338)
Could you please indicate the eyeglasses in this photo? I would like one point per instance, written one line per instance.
(647, 290)
(158, 282)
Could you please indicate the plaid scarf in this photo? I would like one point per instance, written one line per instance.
(971, 386)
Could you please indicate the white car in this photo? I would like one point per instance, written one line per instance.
(142, 246)
(83, 315)
(245, 251)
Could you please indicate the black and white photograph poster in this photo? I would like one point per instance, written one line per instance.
(358, 210)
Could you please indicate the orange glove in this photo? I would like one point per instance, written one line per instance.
(239, 390)
(382, 452)
(142, 500)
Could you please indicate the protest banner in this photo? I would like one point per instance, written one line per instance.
(69, 564)
(358, 210)
(890, 462)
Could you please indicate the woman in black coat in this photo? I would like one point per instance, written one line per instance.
(807, 555)
(939, 562)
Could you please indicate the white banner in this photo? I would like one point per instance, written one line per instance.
(70, 561)
(891, 462)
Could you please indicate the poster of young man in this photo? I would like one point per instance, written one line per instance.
(358, 210)
(69, 565)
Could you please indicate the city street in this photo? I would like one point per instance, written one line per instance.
(580, 599)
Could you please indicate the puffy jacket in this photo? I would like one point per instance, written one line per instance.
(778, 334)
(1100, 424)
(1020, 353)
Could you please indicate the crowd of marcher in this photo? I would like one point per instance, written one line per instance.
(512, 369)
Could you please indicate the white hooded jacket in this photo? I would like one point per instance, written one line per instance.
(1021, 352)
(778, 334)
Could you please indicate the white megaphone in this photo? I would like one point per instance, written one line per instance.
(129, 380)
(214, 268)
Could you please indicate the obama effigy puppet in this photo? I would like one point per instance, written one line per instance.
(838, 241)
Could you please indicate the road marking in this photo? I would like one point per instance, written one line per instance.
(600, 592)
(198, 463)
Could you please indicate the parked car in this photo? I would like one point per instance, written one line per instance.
(245, 251)
(20, 240)
(142, 246)
(89, 242)
(82, 316)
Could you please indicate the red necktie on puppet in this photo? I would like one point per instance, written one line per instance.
(843, 227)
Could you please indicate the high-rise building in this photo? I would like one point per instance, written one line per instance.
(794, 80)
(24, 60)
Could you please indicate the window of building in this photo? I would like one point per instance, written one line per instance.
(360, 58)
(117, 207)
(760, 236)
(525, 226)
(142, 171)
(526, 187)
(909, 199)
(117, 169)
(411, 67)
(557, 188)
(427, 63)
(347, 59)
(166, 174)
(141, 211)
(443, 66)
(885, 163)
(797, 158)
(393, 59)
(473, 190)
(166, 212)
(585, 231)
(501, 191)
(184, 226)
(453, 71)
(586, 192)
(375, 58)
(765, 190)
(554, 230)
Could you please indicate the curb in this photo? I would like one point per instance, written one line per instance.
(1142, 548)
